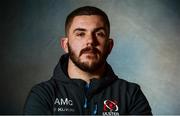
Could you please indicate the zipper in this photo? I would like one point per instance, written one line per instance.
(86, 101)
(87, 107)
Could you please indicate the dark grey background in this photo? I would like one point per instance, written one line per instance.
(146, 51)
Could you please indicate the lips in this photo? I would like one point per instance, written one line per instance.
(89, 52)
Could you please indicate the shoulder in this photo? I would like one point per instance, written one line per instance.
(41, 93)
(137, 102)
(40, 98)
(44, 87)
(126, 84)
(129, 89)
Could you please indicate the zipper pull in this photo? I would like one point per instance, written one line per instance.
(95, 109)
(85, 102)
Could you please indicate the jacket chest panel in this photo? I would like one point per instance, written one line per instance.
(71, 100)
(68, 100)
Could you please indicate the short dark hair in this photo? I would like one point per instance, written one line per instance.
(87, 10)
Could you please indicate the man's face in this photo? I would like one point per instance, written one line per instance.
(88, 42)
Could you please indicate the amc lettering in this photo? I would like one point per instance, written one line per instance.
(62, 101)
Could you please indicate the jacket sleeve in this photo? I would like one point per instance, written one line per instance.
(37, 102)
(139, 104)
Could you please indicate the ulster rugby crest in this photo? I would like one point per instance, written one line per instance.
(110, 107)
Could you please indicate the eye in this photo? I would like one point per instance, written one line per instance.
(100, 34)
(80, 34)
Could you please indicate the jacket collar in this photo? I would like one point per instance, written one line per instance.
(96, 85)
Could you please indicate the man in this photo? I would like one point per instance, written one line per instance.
(83, 82)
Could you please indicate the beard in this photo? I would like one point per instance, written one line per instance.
(85, 66)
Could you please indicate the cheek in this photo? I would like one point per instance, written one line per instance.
(103, 46)
(76, 48)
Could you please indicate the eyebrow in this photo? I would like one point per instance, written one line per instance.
(79, 29)
(100, 28)
(97, 29)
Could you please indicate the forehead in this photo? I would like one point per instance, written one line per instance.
(87, 22)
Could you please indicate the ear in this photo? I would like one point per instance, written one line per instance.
(110, 45)
(64, 44)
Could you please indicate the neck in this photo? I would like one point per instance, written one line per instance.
(76, 73)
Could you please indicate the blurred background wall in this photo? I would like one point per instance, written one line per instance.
(146, 51)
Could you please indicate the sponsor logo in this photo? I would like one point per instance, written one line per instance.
(110, 108)
(62, 101)
(63, 105)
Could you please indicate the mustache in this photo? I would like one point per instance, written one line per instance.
(89, 49)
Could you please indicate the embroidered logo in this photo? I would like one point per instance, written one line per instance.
(63, 105)
(110, 105)
(110, 108)
(65, 101)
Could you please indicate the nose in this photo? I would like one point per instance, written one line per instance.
(91, 40)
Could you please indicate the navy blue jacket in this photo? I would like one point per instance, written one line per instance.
(108, 95)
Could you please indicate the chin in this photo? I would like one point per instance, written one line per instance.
(90, 59)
